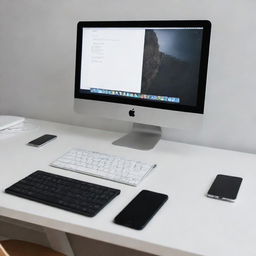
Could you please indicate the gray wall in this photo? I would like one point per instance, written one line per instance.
(37, 49)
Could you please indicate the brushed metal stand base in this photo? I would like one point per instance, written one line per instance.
(142, 137)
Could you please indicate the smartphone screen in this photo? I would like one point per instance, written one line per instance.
(42, 140)
(141, 209)
(225, 187)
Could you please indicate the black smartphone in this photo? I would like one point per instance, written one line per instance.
(42, 140)
(141, 209)
(225, 187)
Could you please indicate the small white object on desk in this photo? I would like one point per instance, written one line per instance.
(8, 121)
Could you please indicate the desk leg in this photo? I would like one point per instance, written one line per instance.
(58, 241)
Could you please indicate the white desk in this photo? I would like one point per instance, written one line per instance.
(188, 224)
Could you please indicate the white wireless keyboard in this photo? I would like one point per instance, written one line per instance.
(105, 166)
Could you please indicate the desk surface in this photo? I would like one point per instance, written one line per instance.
(188, 224)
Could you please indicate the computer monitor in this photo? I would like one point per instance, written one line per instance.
(151, 73)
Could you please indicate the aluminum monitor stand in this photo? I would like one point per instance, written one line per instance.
(142, 137)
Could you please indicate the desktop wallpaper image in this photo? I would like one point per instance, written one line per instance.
(171, 63)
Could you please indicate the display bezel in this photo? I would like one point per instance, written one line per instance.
(198, 108)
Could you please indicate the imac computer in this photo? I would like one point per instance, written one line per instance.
(151, 73)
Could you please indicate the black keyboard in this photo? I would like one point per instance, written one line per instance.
(65, 193)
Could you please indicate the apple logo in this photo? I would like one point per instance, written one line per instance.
(132, 112)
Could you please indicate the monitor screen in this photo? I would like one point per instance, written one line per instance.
(159, 64)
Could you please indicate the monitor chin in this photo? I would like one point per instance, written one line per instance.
(144, 134)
